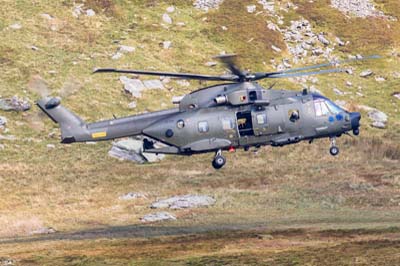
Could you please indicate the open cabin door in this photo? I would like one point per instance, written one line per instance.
(245, 127)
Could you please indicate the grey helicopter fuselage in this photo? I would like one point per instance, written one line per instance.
(249, 115)
(237, 114)
(221, 117)
(245, 114)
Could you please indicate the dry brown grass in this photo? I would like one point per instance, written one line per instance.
(261, 186)
(255, 247)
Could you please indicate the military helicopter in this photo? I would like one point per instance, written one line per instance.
(239, 113)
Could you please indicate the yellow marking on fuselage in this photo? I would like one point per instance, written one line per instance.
(98, 135)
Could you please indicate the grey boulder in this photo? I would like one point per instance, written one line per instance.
(183, 202)
(132, 196)
(3, 121)
(43, 231)
(378, 124)
(379, 118)
(366, 73)
(133, 86)
(14, 104)
(153, 84)
(156, 217)
(323, 39)
(166, 18)
(132, 150)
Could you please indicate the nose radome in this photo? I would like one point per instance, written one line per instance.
(355, 118)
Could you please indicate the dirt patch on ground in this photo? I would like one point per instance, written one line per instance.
(225, 247)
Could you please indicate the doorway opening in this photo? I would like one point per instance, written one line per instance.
(245, 123)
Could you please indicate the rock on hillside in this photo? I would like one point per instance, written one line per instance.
(379, 118)
(157, 217)
(207, 4)
(186, 201)
(132, 150)
(359, 8)
(132, 195)
(3, 121)
(14, 104)
(136, 86)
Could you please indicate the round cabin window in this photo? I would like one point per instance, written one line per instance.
(180, 124)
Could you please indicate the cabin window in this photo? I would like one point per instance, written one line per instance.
(203, 127)
(253, 95)
(227, 123)
(294, 115)
(180, 124)
(261, 119)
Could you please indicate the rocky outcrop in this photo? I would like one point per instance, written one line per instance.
(207, 4)
(366, 73)
(157, 217)
(122, 49)
(303, 42)
(377, 117)
(6, 262)
(132, 150)
(186, 201)
(166, 18)
(251, 8)
(14, 104)
(79, 10)
(358, 8)
(132, 196)
(3, 122)
(135, 86)
(268, 5)
(43, 231)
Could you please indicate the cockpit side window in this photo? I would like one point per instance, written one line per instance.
(321, 108)
(333, 107)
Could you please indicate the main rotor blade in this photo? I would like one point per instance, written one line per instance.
(169, 74)
(298, 71)
(333, 63)
(229, 61)
(299, 74)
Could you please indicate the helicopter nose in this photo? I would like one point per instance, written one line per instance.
(355, 118)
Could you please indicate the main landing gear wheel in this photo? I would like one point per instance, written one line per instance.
(219, 161)
(334, 150)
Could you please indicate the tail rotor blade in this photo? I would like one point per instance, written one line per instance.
(229, 62)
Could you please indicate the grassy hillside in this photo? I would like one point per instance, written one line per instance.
(75, 188)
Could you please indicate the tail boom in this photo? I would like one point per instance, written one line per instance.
(74, 129)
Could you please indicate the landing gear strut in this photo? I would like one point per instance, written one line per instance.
(219, 160)
(334, 150)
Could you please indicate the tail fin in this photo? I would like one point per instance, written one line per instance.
(73, 128)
